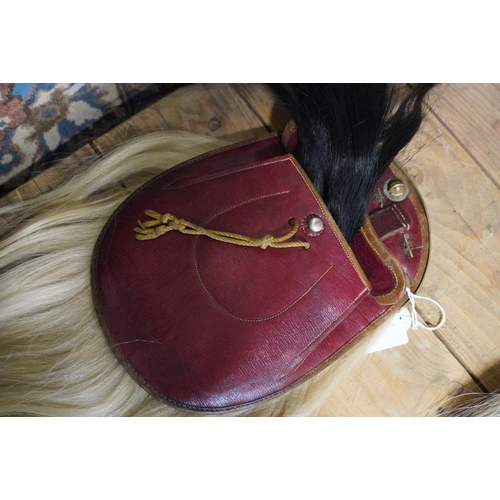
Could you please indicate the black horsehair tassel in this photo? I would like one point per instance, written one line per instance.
(348, 136)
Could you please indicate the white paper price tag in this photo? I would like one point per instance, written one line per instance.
(393, 332)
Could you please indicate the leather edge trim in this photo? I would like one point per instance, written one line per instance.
(388, 260)
(336, 231)
(290, 129)
(423, 219)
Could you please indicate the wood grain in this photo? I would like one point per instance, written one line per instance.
(64, 169)
(471, 112)
(409, 380)
(463, 275)
(28, 190)
(486, 227)
(416, 379)
(215, 110)
(146, 121)
(264, 103)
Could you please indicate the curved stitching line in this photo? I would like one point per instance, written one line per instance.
(218, 151)
(305, 227)
(290, 364)
(268, 317)
(167, 187)
(244, 203)
(212, 297)
(381, 260)
(326, 218)
(194, 176)
(401, 216)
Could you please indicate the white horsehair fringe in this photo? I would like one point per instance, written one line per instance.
(54, 358)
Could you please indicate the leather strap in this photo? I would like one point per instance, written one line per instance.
(389, 221)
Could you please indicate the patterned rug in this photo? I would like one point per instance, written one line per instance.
(39, 122)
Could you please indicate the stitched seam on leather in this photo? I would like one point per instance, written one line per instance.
(196, 243)
(381, 260)
(215, 410)
(244, 203)
(213, 298)
(217, 151)
(290, 364)
(326, 218)
(401, 216)
(260, 319)
(167, 187)
(305, 227)
(194, 176)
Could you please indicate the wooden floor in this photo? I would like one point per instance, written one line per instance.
(455, 162)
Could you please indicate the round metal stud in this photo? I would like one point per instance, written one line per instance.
(316, 224)
(395, 189)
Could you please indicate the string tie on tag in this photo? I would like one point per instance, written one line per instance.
(415, 323)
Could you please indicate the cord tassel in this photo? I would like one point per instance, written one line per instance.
(161, 224)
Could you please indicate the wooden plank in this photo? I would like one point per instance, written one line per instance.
(263, 101)
(471, 112)
(65, 169)
(215, 110)
(12, 197)
(146, 121)
(469, 293)
(5, 201)
(28, 190)
(9, 199)
(416, 379)
(463, 276)
(49, 179)
(486, 227)
(457, 177)
(53, 176)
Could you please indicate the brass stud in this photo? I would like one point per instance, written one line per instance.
(395, 189)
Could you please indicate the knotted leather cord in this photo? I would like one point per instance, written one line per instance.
(161, 224)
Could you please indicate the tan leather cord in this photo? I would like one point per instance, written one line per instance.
(161, 224)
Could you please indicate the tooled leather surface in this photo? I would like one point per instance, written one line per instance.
(210, 326)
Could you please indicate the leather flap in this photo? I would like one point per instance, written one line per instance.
(206, 324)
(210, 326)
